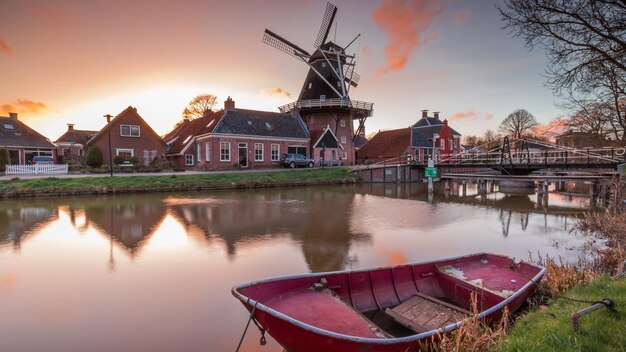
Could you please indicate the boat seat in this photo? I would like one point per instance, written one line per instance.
(422, 313)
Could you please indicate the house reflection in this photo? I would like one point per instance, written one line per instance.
(318, 218)
(128, 221)
(20, 220)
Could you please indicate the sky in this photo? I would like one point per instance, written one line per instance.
(73, 61)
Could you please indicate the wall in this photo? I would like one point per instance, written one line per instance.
(317, 122)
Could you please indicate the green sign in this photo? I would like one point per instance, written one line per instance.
(431, 172)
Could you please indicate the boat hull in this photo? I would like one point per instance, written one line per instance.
(301, 319)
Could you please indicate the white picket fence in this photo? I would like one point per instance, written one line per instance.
(37, 169)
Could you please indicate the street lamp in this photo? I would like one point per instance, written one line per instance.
(108, 116)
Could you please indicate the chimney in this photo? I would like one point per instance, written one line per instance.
(13, 115)
(229, 104)
(70, 126)
(436, 113)
(424, 113)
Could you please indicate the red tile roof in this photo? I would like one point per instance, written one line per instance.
(76, 136)
(15, 133)
(182, 135)
(386, 144)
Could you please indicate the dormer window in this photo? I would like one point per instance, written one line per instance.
(130, 131)
(8, 126)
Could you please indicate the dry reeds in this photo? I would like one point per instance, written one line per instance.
(475, 334)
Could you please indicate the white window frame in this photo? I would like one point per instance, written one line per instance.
(227, 145)
(189, 159)
(343, 140)
(130, 131)
(323, 97)
(442, 144)
(207, 151)
(344, 155)
(199, 151)
(342, 123)
(277, 150)
(451, 144)
(261, 150)
(123, 150)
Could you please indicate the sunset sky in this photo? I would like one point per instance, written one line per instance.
(72, 61)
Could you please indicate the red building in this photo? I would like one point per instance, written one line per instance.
(130, 137)
(71, 145)
(427, 136)
(235, 137)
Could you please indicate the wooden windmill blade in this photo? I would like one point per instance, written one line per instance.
(327, 22)
(274, 40)
(351, 77)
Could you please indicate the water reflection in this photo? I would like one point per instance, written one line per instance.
(155, 270)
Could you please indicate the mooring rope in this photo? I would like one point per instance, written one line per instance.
(262, 341)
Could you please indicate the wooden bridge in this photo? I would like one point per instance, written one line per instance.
(521, 157)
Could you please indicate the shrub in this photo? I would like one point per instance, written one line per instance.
(118, 160)
(94, 157)
(5, 159)
(133, 160)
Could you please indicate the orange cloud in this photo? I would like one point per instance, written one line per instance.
(367, 51)
(405, 24)
(551, 129)
(469, 114)
(462, 16)
(277, 92)
(7, 282)
(393, 257)
(5, 48)
(23, 106)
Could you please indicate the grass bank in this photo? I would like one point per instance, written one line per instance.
(52, 186)
(550, 328)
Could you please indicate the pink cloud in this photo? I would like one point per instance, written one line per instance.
(462, 16)
(277, 92)
(23, 106)
(5, 48)
(367, 51)
(470, 115)
(405, 23)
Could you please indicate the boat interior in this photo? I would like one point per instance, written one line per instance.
(395, 301)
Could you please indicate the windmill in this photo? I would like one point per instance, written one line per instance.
(324, 98)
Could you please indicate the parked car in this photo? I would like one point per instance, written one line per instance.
(42, 160)
(293, 160)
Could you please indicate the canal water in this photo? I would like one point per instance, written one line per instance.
(154, 272)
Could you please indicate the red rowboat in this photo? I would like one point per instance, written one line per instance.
(398, 308)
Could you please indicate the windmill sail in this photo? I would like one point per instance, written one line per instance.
(350, 76)
(327, 22)
(274, 40)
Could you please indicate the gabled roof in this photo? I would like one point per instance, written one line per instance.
(262, 124)
(325, 138)
(387, 144)
(128, 110)
(359, 141)
(423, 137)
(15, 133)
(182, 136)
(430, 123)
(76, 136)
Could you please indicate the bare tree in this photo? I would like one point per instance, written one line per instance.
(490, 140)
(517, 123)
(199, 105)
(585, 43)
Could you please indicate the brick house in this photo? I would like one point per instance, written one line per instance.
(22, 142)
(131, 136)
(415, 141)
(71, 144)
(235, 137)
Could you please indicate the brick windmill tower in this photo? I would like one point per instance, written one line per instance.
(324, 101)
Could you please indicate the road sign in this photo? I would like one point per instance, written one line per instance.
(431, 172)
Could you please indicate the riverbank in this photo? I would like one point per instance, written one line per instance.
(55, 186)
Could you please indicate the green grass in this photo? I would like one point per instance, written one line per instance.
(17, 187)
(551, 329)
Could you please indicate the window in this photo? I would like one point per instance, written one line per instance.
(129, 131)
(207, 147)
(344, 155)
(224, 151)
(125, 153)
(275, 152)
(442, 143)
(258, 151)
(343, 139)
(323, 64)
(189, 159)
(199, 151)
(451, 144)
(342, 123)
(310, 85)
(8, 126)
(322, 97)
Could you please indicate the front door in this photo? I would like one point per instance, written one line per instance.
(243, 154)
